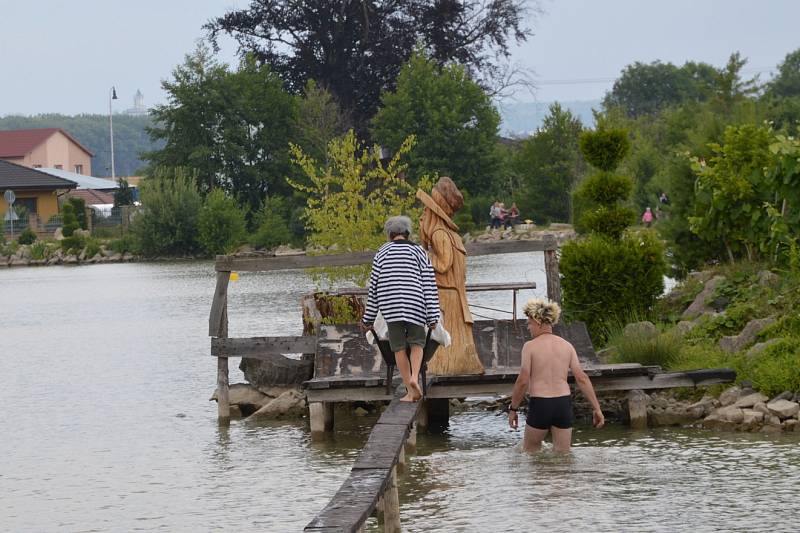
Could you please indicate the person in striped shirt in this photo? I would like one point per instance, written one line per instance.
(402, 286)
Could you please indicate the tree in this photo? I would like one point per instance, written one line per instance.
(452, 118)
(730, 87)
(787, 82)
(355, 48)
(645, 89)
(232, 127)
(123, 195)
(167, 224)
(550, 164)
(319, 120)
(350, 198)
(220, 224)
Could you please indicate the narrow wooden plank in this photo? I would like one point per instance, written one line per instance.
(218, 304)
(353, 503)
(255, 346)
(399, 413)
(473, 287)
(252, 263)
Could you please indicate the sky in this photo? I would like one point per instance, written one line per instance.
(64, 55)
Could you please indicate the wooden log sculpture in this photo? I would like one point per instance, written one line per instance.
(439, 236)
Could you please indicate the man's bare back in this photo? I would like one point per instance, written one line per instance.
(546, 363)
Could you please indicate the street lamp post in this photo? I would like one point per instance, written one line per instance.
(112, 96)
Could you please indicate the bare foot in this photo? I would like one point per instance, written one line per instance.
(408, 398)
(415, 390)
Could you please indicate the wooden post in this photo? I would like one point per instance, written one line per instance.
(411, 442)
(401, 460)
(380, 510)
(320, 416)
(218, 327)
(391, 506)
(553, 279)
(88, 212)
(637, 409)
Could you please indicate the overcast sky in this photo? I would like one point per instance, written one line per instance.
(64, 55)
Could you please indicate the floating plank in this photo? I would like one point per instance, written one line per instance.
(255, 347)
(252, 263)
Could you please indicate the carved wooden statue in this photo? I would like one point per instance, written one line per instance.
(439, 235)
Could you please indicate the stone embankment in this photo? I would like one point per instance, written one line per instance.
(56, 256)
(524, 232)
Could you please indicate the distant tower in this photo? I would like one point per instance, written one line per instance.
(138, 108)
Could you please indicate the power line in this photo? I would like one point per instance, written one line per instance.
(584, 81)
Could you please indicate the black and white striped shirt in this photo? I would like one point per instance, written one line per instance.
(402, 285)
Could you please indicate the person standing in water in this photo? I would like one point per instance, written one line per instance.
(546, 361)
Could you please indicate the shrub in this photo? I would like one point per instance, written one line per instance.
(604, 149)
(638, 346)
(68, 220)
(127, 243)
(167, 224)
(40, 250)
(92, 247)
(606, 188)
(776, 369)
(28, 236)
(73, 244)
(604, 280)
(271, 224)
(221, 224)
(79, 205)
(610, 221)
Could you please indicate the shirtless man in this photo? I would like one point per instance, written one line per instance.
(545, 362)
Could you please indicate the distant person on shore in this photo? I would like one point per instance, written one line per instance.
(513, 215)
(494, 215)
(663, 198)
(546, 361)
(647, 217)
(402, 286)
(503, 212)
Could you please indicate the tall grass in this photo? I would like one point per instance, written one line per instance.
(638, 345)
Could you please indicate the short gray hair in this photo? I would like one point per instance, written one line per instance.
(400, 225)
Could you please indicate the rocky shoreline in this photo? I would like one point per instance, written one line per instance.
(23, 257)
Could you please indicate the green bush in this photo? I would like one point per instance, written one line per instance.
(8, 248)
(167, 223)
(605, 280)
(610, 221)
(126, 243)
(40, 250)
(221, 223)
(604, 149)
(776, 369)
(79, 205)
(606, 188)
(68, 220)
(28, 236)
(271, 225)
(73, 244)
(92, 248)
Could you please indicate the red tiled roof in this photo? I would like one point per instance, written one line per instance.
(17, 143)
(92, 197)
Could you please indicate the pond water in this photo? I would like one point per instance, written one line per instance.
(107, 427)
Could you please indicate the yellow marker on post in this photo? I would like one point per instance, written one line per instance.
(234, 276)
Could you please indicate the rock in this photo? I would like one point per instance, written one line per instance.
(751, 419)
(747, 335)
(245, 394)
(730, 414)
(714, 421)
(290, 404)
(96, 258)
(772, 420)
(785, 395)
(783, 408)
(699, 306)
(672, 417)
(684, 326)
(273, 392)
(280, 371)
(771, 429)
(702, 276)
(58, 234)
(85, 233)
(560, 226)
(750, 400)
(82, 255)
(235, 411)
(637, 409)
(360, 411)
(127, 256)
(70, 259)
(18, 261)
(790, 425)
(729, 396)
(287, 250)
(761, 407)
(759, 347)
(115, 257)
(703, 407)
(645, 329)
(768, 279)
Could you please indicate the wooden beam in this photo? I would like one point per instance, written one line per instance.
(218, 305)
(257, 347)
(252, 263)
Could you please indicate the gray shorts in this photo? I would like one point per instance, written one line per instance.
(403, 333)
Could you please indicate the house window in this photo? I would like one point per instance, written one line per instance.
(28, 203)
(78, 169)
(58, 167)
(37, 166)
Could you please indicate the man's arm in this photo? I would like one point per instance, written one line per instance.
(520, 386)
(585, 384)
(371, 310)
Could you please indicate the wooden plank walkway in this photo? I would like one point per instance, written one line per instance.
(372, 482)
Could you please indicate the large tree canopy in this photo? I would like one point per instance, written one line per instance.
(452, 118)
(355, 48)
